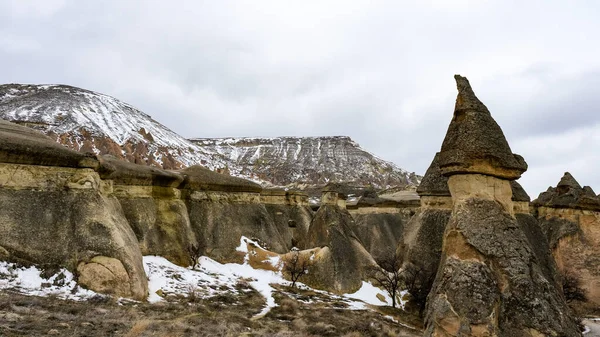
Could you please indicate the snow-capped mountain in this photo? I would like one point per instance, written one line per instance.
(88, 121)
(308, 160)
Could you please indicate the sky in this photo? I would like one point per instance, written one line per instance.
(380, 72)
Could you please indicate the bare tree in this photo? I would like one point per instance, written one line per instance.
(194, 253)
(418, 280)
(295, 265)
(387, 274)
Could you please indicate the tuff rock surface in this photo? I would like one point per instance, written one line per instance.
(569, 216)
(421, 246)
(490, 281)
(474, 142)
(60, 216)
(342, 262)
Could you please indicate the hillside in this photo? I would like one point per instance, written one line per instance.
(307, 160)
(88, 121)
(84, 120)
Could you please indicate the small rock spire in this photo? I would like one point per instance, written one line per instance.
(466, 99)
(568, 180)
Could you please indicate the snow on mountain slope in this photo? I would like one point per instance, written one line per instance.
(89, 121)
(308, 160)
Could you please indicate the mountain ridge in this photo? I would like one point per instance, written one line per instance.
(89, 121)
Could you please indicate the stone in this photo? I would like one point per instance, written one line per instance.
(379, 233)
(568, 181)
(569, 217)
(474, 142)
(491, 274)
(22, 145)
(421, 246)
(518, 192)
(104, 275)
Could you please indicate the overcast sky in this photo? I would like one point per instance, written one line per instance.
(380, 72)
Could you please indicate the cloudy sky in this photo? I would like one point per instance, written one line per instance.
(380, 72)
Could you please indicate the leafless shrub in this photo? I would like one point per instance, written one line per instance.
(387, 274)
(194, 252)
(418, 280)
(295, 265)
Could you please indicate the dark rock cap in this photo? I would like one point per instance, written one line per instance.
(433, 182)
(568, 180)
(202, 179)
(126, 173)
(518, 192)
(22, 145)
(569, 194)
(474, 142)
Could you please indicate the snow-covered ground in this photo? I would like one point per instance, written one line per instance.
(210, 278)
(29, 281)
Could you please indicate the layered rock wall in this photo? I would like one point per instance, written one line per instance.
(64, 216)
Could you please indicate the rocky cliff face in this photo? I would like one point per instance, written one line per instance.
(87, 121)
(308, 160)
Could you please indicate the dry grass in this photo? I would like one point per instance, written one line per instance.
(225, 315)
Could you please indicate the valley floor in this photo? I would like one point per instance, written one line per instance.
(222, 315)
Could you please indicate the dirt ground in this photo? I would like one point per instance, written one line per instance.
(299, 313)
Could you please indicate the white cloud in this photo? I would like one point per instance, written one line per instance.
(378, 71)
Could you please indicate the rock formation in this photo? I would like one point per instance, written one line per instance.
(379, 223)
(151, 202)
(489, 282)
(291, 214)
(224, 208)
(569, 215)
(96, 216)
(57, 212)
(342, 262)
(422, 243)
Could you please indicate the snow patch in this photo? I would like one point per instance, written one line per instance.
(28, 280)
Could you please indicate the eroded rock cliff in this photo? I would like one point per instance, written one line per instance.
(57, 212)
